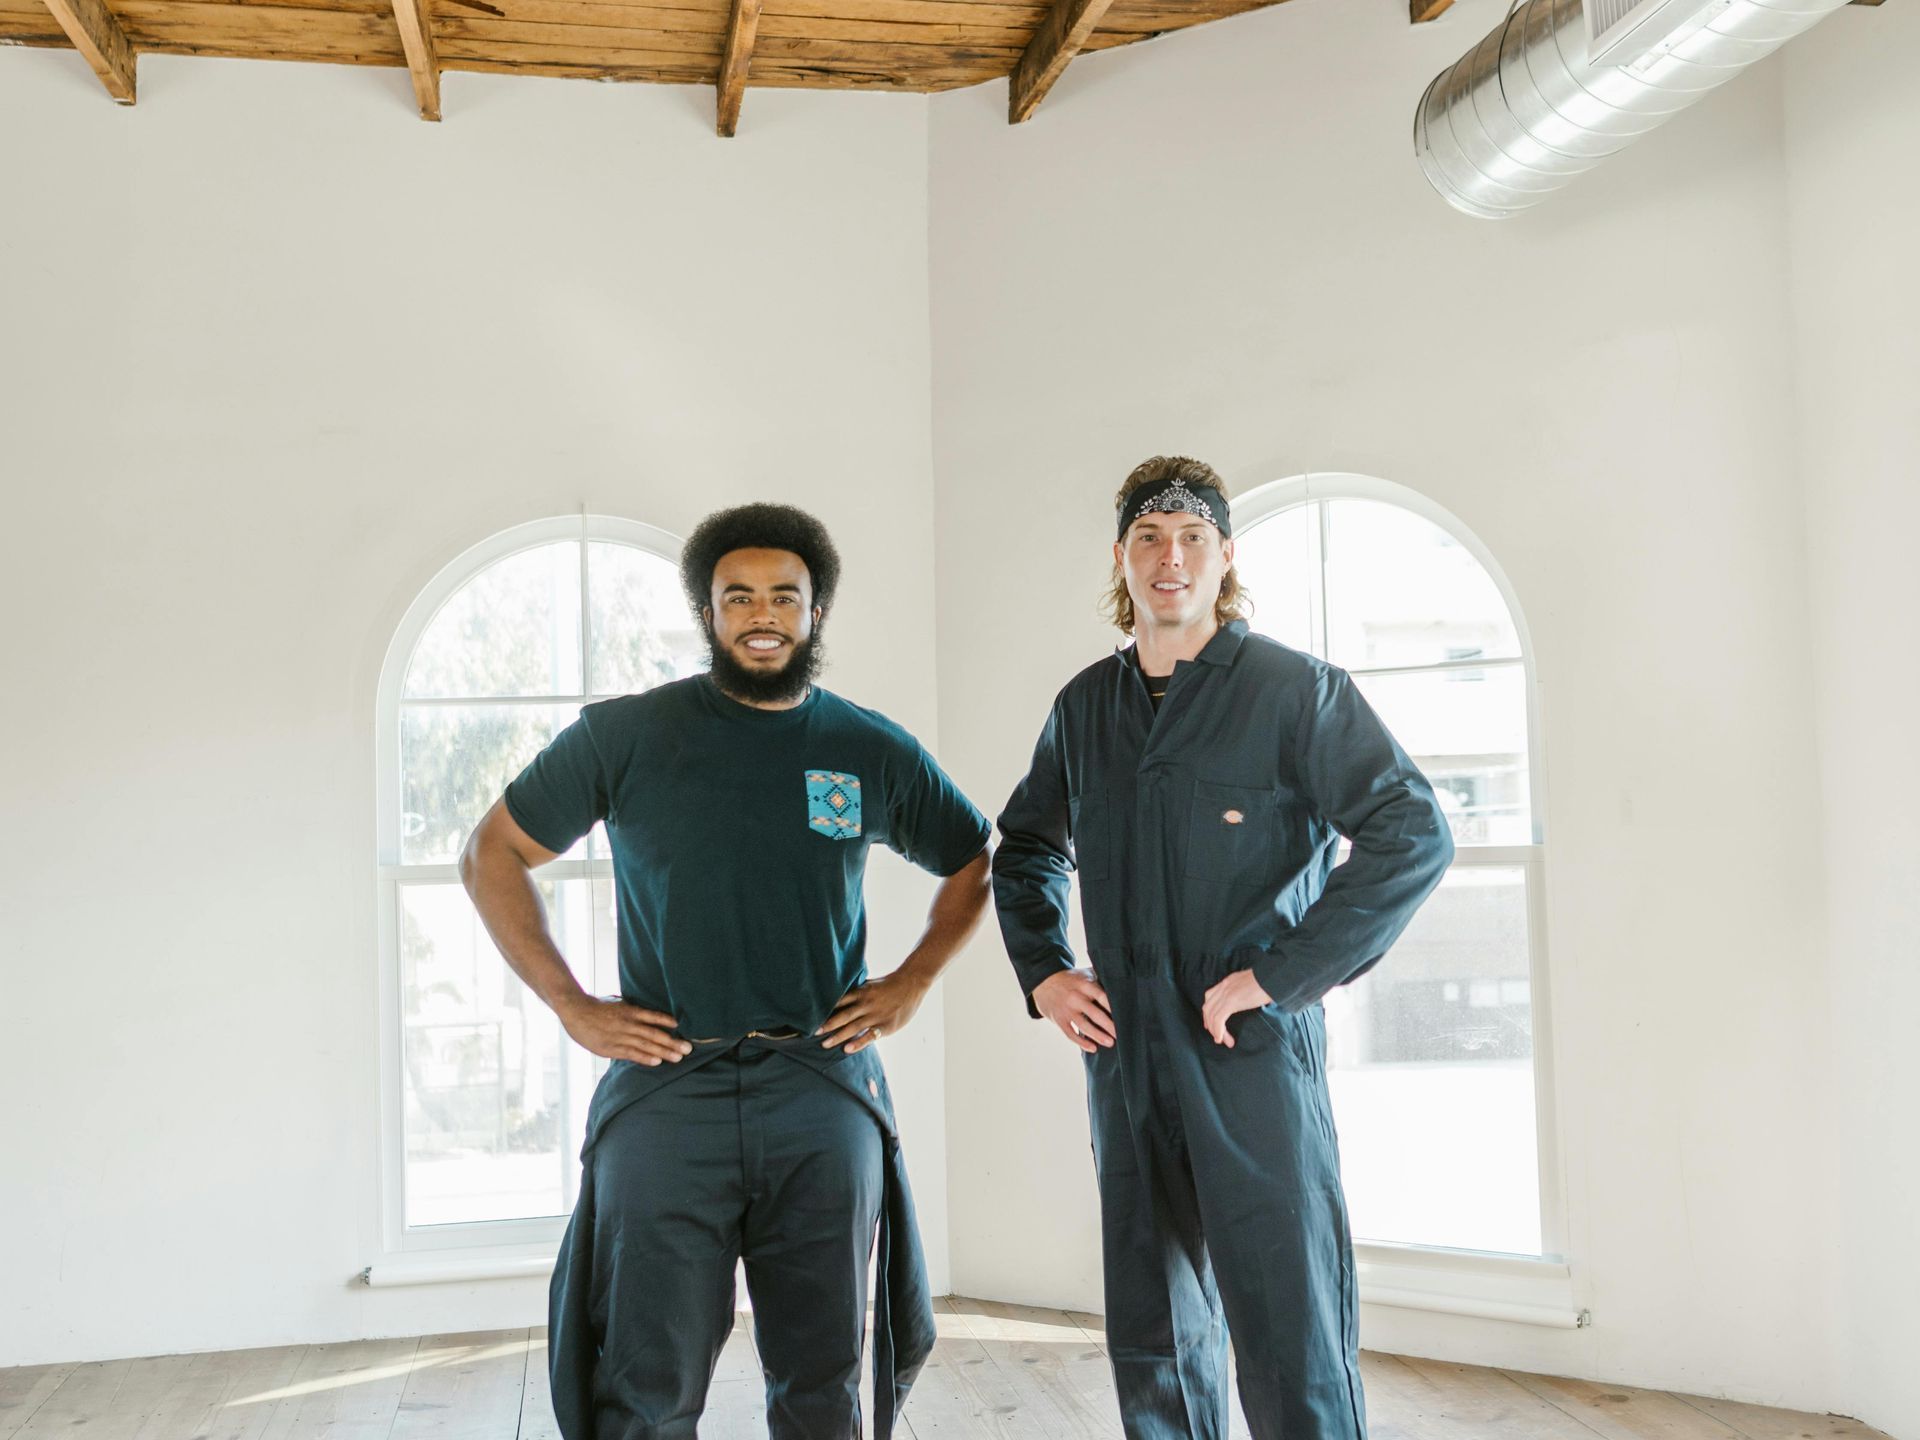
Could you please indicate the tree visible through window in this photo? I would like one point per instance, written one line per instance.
(493, 1099)
(1431, 1055)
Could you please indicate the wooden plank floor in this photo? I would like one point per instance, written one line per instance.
(1000, 1372)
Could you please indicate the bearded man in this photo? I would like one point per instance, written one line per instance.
(744, 1117)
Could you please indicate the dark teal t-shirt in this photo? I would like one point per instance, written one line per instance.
(739, 841)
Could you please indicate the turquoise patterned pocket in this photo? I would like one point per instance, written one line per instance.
(833, 804)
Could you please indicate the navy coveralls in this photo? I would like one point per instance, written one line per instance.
(1204, 837)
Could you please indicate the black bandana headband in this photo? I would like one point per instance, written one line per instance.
(1176, 497)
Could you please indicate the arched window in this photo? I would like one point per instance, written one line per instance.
(483, 1100)
(1437, 1060)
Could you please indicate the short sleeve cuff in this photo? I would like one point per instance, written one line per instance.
(967, 854)
(536, 829)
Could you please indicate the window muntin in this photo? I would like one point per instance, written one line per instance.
(494, 1097)
(512, 630)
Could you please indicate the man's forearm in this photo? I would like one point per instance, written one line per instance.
(951, 920)
(508, 900)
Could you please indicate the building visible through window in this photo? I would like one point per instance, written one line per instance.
(1433, 1055)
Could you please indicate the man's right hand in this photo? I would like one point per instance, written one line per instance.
(620, 1031)
(1075, 1001)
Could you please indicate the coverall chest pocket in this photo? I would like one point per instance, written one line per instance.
(1233, 834)
(1092, 833)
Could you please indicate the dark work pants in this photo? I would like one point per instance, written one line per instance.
(752, 1156)
(1221, 1211)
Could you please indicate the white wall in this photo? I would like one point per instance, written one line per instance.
(274, 351)
(1853, 134)
(1219, 243)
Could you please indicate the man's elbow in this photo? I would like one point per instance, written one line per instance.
(1441, 846)
(983, 874)
(972, 884)
(473, 854)
(1019, 855)
(999, 857)
(469, 862)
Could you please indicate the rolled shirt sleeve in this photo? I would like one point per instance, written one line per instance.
(1357, 777)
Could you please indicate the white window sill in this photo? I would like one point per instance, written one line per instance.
(456, 1270)
(1517, 1289)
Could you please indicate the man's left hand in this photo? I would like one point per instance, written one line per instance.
(1239, 991)
(879, 1007)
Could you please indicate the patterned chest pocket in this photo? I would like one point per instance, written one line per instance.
(833, 804)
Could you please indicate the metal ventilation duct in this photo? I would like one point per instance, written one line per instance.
(1524, 111)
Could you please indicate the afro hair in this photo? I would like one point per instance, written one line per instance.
(758, 527)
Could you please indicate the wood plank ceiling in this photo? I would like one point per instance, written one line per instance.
(732, 45)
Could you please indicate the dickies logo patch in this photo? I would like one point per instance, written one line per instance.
(833, 804)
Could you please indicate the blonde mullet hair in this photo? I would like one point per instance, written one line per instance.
(1117, 605)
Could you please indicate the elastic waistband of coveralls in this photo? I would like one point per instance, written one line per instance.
(1155, 963)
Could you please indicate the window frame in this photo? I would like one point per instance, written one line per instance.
(1499, 1285)
(526, 1238)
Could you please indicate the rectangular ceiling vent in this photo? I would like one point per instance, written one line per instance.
(1622, 31)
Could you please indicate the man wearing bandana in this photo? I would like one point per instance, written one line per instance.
(744, 1118)
(1199, 783)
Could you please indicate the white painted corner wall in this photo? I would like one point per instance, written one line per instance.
(1853, 170)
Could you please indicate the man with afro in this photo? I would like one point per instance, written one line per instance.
(744, 1117)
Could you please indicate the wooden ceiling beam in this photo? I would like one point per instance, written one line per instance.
(100, 40)
(731, 88)
(1427, 9)
(1059, 38)
(416, 38)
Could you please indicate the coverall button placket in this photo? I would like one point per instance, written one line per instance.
(1165, 721)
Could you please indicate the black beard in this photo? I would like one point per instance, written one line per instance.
(759, 687)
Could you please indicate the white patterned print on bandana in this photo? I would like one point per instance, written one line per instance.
(1180, 501)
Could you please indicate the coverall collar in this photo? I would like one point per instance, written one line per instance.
(1220, 650)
